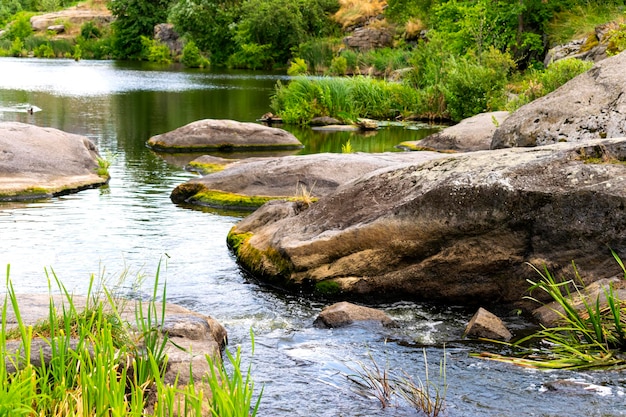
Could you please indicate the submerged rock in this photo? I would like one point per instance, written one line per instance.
(252, 182)
(458, 229)
(37, 162)
(223, 135)
(590, 106)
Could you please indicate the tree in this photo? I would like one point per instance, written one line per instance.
(134, 19)
(209, 24)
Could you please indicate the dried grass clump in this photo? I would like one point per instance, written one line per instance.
(355, 12)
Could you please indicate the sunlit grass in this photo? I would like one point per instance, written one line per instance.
(101, 365)
(591, 335)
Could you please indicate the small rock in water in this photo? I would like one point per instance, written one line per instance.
(487, 325)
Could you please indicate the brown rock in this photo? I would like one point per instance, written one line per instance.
(488, 326)
(344, 314)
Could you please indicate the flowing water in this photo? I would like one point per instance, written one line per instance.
(129, 227)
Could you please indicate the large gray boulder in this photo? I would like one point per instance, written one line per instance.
(252, 182)
(590, 106)
(223, 135)
(462, 229)
(37, 162)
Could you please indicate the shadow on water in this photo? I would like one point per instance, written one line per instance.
(129, 226)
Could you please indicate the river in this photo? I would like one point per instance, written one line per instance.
(122, 232)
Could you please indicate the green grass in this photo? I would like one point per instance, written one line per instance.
(580, 21)
(346, 99)
(102, 365)
(591, 337)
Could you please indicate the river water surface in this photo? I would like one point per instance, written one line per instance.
(129, 227)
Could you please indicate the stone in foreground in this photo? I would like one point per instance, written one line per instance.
(487, 325)
(223, 135)
(344, 314)
(460, 229)
(37, 162)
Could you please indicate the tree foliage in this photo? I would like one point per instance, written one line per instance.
(209, 23)
(134, 19)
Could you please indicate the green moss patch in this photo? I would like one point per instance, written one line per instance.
(30, 193)
(600, 155)
(205, 168)
(222, 199)
(327, 288)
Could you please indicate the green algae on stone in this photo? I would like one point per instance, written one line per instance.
(215, 198)
(31, 193)
(205, 169)
(327, 288)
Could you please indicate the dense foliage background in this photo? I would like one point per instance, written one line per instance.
(460, 57)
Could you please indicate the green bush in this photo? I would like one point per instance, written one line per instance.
(90, 31)
(298, 67)
(154, 51)
(252, 56)
(282, 25)
(192, 58)
(539, 83)
(318, 53)
(210, 24)
(472, 84)
(338, 66)
(20, 28)
(44, 51)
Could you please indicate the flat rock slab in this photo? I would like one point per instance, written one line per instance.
(291, 176)
(37, 162)
(223, 135)
(460, 229)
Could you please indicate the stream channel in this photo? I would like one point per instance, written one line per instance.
(128, 228)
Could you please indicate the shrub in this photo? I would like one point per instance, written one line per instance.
(154, 51)
(209, 23)
(252, 56)
(338, 66)
(192, 58)
(318, 53)
(539, 83)
(20, 28)
(298, 67)
(90, 31)
(44, 51)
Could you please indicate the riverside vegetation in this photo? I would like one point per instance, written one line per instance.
(591, 337)
(113, 368)
(458, 58)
